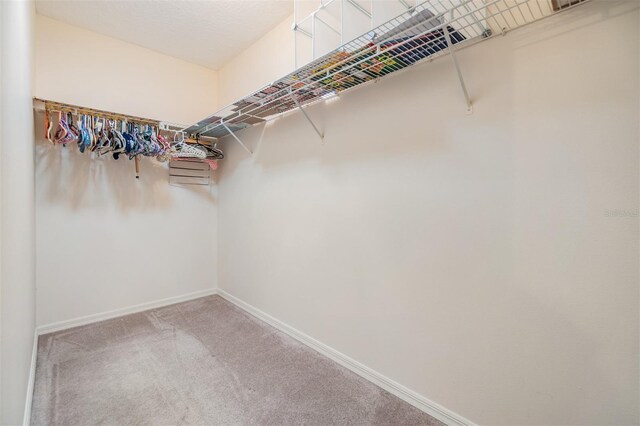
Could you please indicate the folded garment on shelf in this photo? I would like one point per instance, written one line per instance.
(421, 47)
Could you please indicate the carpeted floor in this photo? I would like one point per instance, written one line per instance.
(200, 362)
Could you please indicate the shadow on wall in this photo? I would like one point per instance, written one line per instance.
(82, 181)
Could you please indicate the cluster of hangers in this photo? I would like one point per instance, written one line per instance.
(116, 137)
(112, 135)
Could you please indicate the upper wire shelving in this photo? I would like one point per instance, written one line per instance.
(426, 31)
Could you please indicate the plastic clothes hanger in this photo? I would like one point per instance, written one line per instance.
(131, 145)
(156, 148)
(81, 137)
(91, 133)
(118, 143)
(213, 152)
(181, 149)
(73, 129)
(94, 134)
(142, 144)
(105, 145)
(48, 126)
(61, 132)
(72, 135)
(102, 134)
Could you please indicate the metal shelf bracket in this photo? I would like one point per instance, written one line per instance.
(452, 52)
(235, 137)
(308, 118)
(296, 27)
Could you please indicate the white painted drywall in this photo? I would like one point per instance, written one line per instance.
(17, 239)
(268, 59)
(105, 240)
(487, 261)
(118, 76)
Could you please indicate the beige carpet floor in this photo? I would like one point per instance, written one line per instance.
(201, 362)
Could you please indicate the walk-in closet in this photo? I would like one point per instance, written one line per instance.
(319, 212)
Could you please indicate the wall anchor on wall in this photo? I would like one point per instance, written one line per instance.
(321, 134)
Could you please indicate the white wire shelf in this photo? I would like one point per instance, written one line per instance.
(426, 31)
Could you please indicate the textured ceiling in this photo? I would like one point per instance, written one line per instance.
(208, 33)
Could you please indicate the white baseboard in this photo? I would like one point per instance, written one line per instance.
(413, 398)
(88, 319)
(439, 412)
(26, 420)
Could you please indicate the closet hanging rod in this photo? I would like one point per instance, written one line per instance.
(54, 106)
(62, 107)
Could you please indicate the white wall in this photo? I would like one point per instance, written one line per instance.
(244, 74)
(118, 76)
(487, 261)
(17, 240)
(105, 240)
